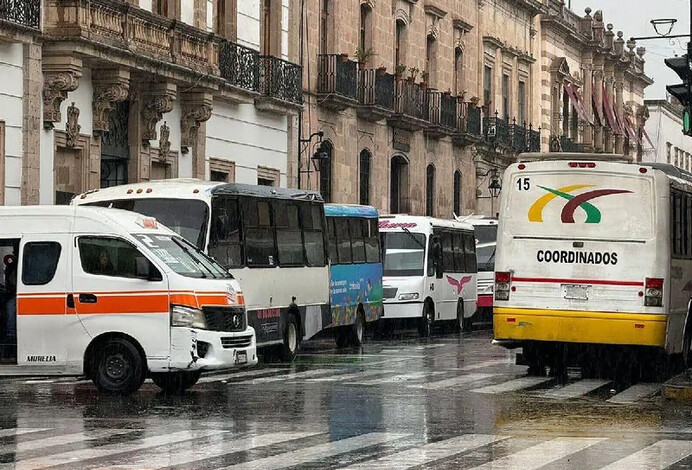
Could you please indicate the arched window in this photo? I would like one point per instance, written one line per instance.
(364, 177)
(365, 38)
(458, 71)
(400, 43)
(431, 60)
(398, 195)
(430, 190)
(326, 173)
(324, 27)
(457, 192)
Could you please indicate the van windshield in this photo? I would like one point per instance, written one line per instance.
(186, 217)
(182, 257)
(404, 253)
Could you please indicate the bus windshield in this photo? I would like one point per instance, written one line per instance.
(186, 217)
(404, 254)
(486, 243)
(182, 257)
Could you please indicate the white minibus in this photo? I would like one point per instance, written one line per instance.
(117, 297)
(485, 229)
(429, 270)
(593, 251)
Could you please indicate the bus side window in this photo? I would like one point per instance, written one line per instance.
(470, 249)
(372, 241)
(311, 216)
(460, 265)
(259, 233)
(288, 237)
(331, 226)
(357, 242)
(224, 238)
(40, 261)
(343, 243)
(447, 252)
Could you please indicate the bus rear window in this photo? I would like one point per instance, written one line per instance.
(579, 204)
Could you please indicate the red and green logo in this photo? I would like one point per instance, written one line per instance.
(574, 201)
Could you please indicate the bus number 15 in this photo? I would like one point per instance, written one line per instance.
(523, 184)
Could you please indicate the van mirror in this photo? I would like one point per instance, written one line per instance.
(146, 270)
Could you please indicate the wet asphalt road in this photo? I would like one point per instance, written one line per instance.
(446, 403)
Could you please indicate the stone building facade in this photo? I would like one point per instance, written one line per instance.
(105, 92)
(419, 103)
(592, 85)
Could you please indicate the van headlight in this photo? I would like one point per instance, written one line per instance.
(409, 296)
(187, 316)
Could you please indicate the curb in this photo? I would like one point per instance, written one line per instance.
(678, 388)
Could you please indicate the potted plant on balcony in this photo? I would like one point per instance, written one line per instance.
(447, 93)
(399, 71)
(363, 56)
(381, 70)
(424, 79)
(474, 101)
(344, 57)
(413, 73)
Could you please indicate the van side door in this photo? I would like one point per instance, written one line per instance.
(43, 327)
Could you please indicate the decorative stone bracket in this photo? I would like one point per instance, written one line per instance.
(157, 99)
(196, 108)
(61, 75)
(110, 87)
(72, 126)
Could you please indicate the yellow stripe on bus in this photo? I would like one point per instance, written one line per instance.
(536, 210)
(572, 326)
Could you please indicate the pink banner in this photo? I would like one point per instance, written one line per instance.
(610, 114)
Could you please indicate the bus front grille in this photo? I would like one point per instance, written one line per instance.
(231, 342)
(225, 318)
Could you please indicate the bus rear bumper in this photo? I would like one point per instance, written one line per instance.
(571, 326)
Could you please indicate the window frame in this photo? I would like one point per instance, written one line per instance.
(241, 231)
(25, 258)
(116, 238)
(247, 226)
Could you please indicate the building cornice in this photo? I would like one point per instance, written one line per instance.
(431, 9)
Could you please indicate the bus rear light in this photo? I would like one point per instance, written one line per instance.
(582, 165)
(522, 166)
(654, 292)
(503, 281)
(511, 320)
(642, 170)
(638, 326)
(148, 190)
(139, 191)
(129, 191)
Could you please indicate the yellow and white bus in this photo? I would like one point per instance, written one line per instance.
(593, 251)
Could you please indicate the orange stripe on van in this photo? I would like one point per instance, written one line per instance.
(156, 303)
(41, 306)
(189, 300)
(204, 299)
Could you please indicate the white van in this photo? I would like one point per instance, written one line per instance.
(115, 296)
(429, 270)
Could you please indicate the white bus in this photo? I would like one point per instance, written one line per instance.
(485, 229)
(429, 270)
(593, 253)
(271, 239)
(115, 296)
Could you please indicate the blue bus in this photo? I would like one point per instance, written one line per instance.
(355, 274)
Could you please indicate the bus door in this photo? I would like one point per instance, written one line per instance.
(43, 327)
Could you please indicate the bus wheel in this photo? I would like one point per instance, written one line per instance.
(175, 383)
(341, 336)
(289, 348)
(426, 322)
(118, 367)
(460, 324)
(687, 348)
(358, 330)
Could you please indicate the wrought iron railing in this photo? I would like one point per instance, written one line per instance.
(22, 12)
(442, 109)
(497, 131)
(410, 100)
(534, 137)
(474, 118)
(239, 65)
(569, 145)
(337, 76)
(519, 138)
(376, 89)
(281, 79)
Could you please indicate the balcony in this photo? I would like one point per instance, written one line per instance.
(497, 132)
(239, 66)
(23, 13)
(534, 140)
(442, 110)
(133, 36)
(375, 95)
(337, 82)
(468, 125)
(569, 145)
(410, 106)
(280, 84)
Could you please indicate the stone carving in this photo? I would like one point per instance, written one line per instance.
(164, 142)
(189, 124)
(72, 126)
(104, 99)
(56, 86)
(555, 145)
(153, 110)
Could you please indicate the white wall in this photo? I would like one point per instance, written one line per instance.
(239, 133)
(249, 23)
(187, 11)
(664, 126)
(284, 28)
(12, 112)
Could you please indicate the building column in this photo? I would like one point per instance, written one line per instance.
(31, 128)
(588, 85)
(598, 95)
(609, 143)
(619, 106)
(196, 110)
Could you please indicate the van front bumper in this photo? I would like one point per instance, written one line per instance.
(572, 326)
(402, 310)
(193, 349)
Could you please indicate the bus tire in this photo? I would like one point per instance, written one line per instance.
(427, 321)
(118, 367)
(687, 347)
(342, 336)
(175, 383)
(460, 324)
(289, 348)
(357, 330)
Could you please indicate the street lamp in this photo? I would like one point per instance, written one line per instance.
(494, 185)
(662, 22)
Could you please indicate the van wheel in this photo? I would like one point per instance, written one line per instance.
(426, 322)
(175, 383)
(357, 330)
(118, 367)
(289, 348)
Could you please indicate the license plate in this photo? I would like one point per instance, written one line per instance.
(241, 357)
(575, 291)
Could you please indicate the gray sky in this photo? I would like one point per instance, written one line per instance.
(632, 18)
